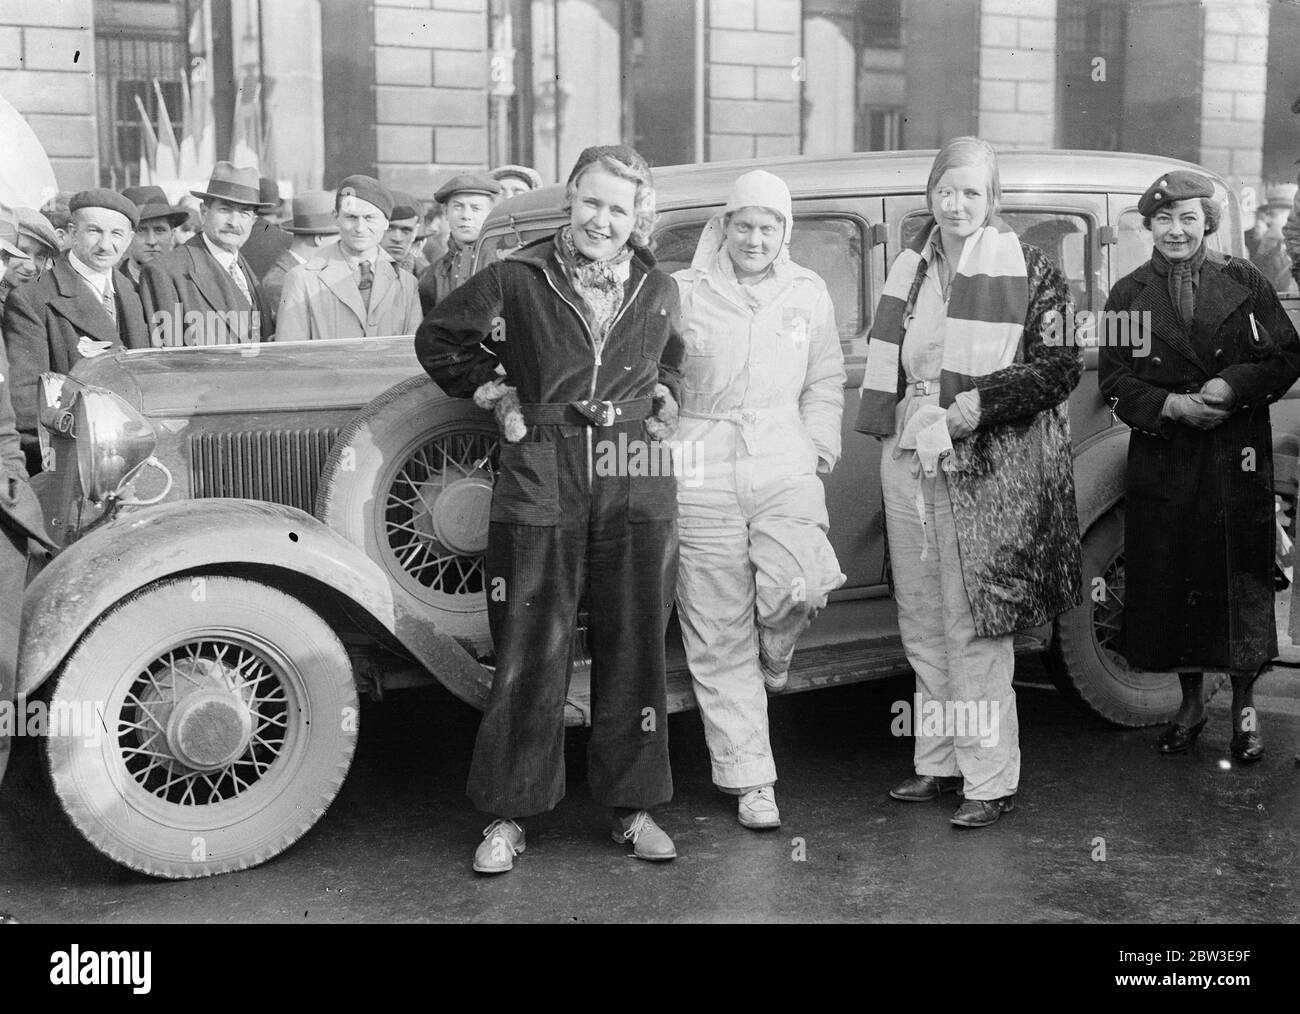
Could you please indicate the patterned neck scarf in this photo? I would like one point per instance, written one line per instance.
(1181, 277)
(599, 283)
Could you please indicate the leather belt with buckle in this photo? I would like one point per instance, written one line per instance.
(587, 411)
(924, 386)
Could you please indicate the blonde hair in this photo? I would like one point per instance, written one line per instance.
(624, 166)
(961, 152)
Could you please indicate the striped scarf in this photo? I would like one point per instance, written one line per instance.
(986, 317)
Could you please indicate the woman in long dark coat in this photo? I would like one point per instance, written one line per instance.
(1198, 540)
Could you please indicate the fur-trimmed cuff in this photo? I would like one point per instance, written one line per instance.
(662, 421)
(503, 401)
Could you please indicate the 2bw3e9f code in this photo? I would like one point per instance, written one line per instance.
(1151, 957)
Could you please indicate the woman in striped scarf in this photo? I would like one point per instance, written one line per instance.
(968, 392)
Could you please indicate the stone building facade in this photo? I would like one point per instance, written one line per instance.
(417, 90)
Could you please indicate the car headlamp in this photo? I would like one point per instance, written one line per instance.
(114, 442)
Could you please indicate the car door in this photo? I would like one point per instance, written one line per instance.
(836, 238)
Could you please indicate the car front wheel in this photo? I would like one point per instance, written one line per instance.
(204, 725)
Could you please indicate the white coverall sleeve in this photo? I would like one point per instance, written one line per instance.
(821, 402)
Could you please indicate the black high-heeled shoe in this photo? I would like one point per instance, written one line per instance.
(1178, 738)
(1246, 747)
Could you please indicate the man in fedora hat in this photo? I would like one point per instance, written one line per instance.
(352, 288)
(205, 292)
(467, 199)
(1270, 253)
(155, 234)
(311, 228)
(81, 308)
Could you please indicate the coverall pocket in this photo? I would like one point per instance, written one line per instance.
(527, 490)
(705, 368)
(652, 498)
(654, 334)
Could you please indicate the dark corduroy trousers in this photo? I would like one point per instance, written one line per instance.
(613, 538)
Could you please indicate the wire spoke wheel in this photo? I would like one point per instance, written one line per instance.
(409, 482)
(225, 723)
(435, 513)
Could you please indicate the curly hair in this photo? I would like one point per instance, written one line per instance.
(626, 164)
(1213, 215)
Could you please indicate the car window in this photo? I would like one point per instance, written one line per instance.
(1062, 236)
(1133, 244)
(830, 245)
(498, 245)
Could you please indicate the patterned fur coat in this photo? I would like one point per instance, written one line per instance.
(1012, 481)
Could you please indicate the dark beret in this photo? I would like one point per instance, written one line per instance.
(468, 183)
(368, 189)
(404, 206)
(110, 199)
(1177, 185)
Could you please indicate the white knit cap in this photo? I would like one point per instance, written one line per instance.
(756, 189)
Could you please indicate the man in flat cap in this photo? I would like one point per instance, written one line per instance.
(204, 292)
(155, 233)
(81, 308)
(516, 180)
(1198, 524)
(467, 199)
(403, 228)
(10, 251)
(37, 240)
(312, 227)
(352, 288)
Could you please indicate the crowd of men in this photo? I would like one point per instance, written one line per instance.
(130, 269)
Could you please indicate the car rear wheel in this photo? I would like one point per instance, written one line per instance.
(202, 726)
(1086, 660)
(409, 481)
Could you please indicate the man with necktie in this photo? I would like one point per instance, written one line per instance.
(81, 308)
(352, 288)
(204, 292)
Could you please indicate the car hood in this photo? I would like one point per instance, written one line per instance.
(269, 377)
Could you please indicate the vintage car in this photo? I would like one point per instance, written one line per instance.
(254, 534)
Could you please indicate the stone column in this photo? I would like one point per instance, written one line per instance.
(1234, 69)
(1017, 73)
(47, 65)
(291, 76)
(755, 72)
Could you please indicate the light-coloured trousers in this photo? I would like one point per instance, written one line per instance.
(964, 673)
(754, 557)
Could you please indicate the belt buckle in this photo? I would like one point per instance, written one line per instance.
(608, 413)
(921, 386)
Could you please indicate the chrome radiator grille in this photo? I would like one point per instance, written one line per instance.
(278, 466)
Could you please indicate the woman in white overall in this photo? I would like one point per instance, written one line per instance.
(762, 396)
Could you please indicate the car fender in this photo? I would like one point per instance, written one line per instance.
(1100, 465)
(145, 545)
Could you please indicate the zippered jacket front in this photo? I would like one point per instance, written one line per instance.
(523, 315)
